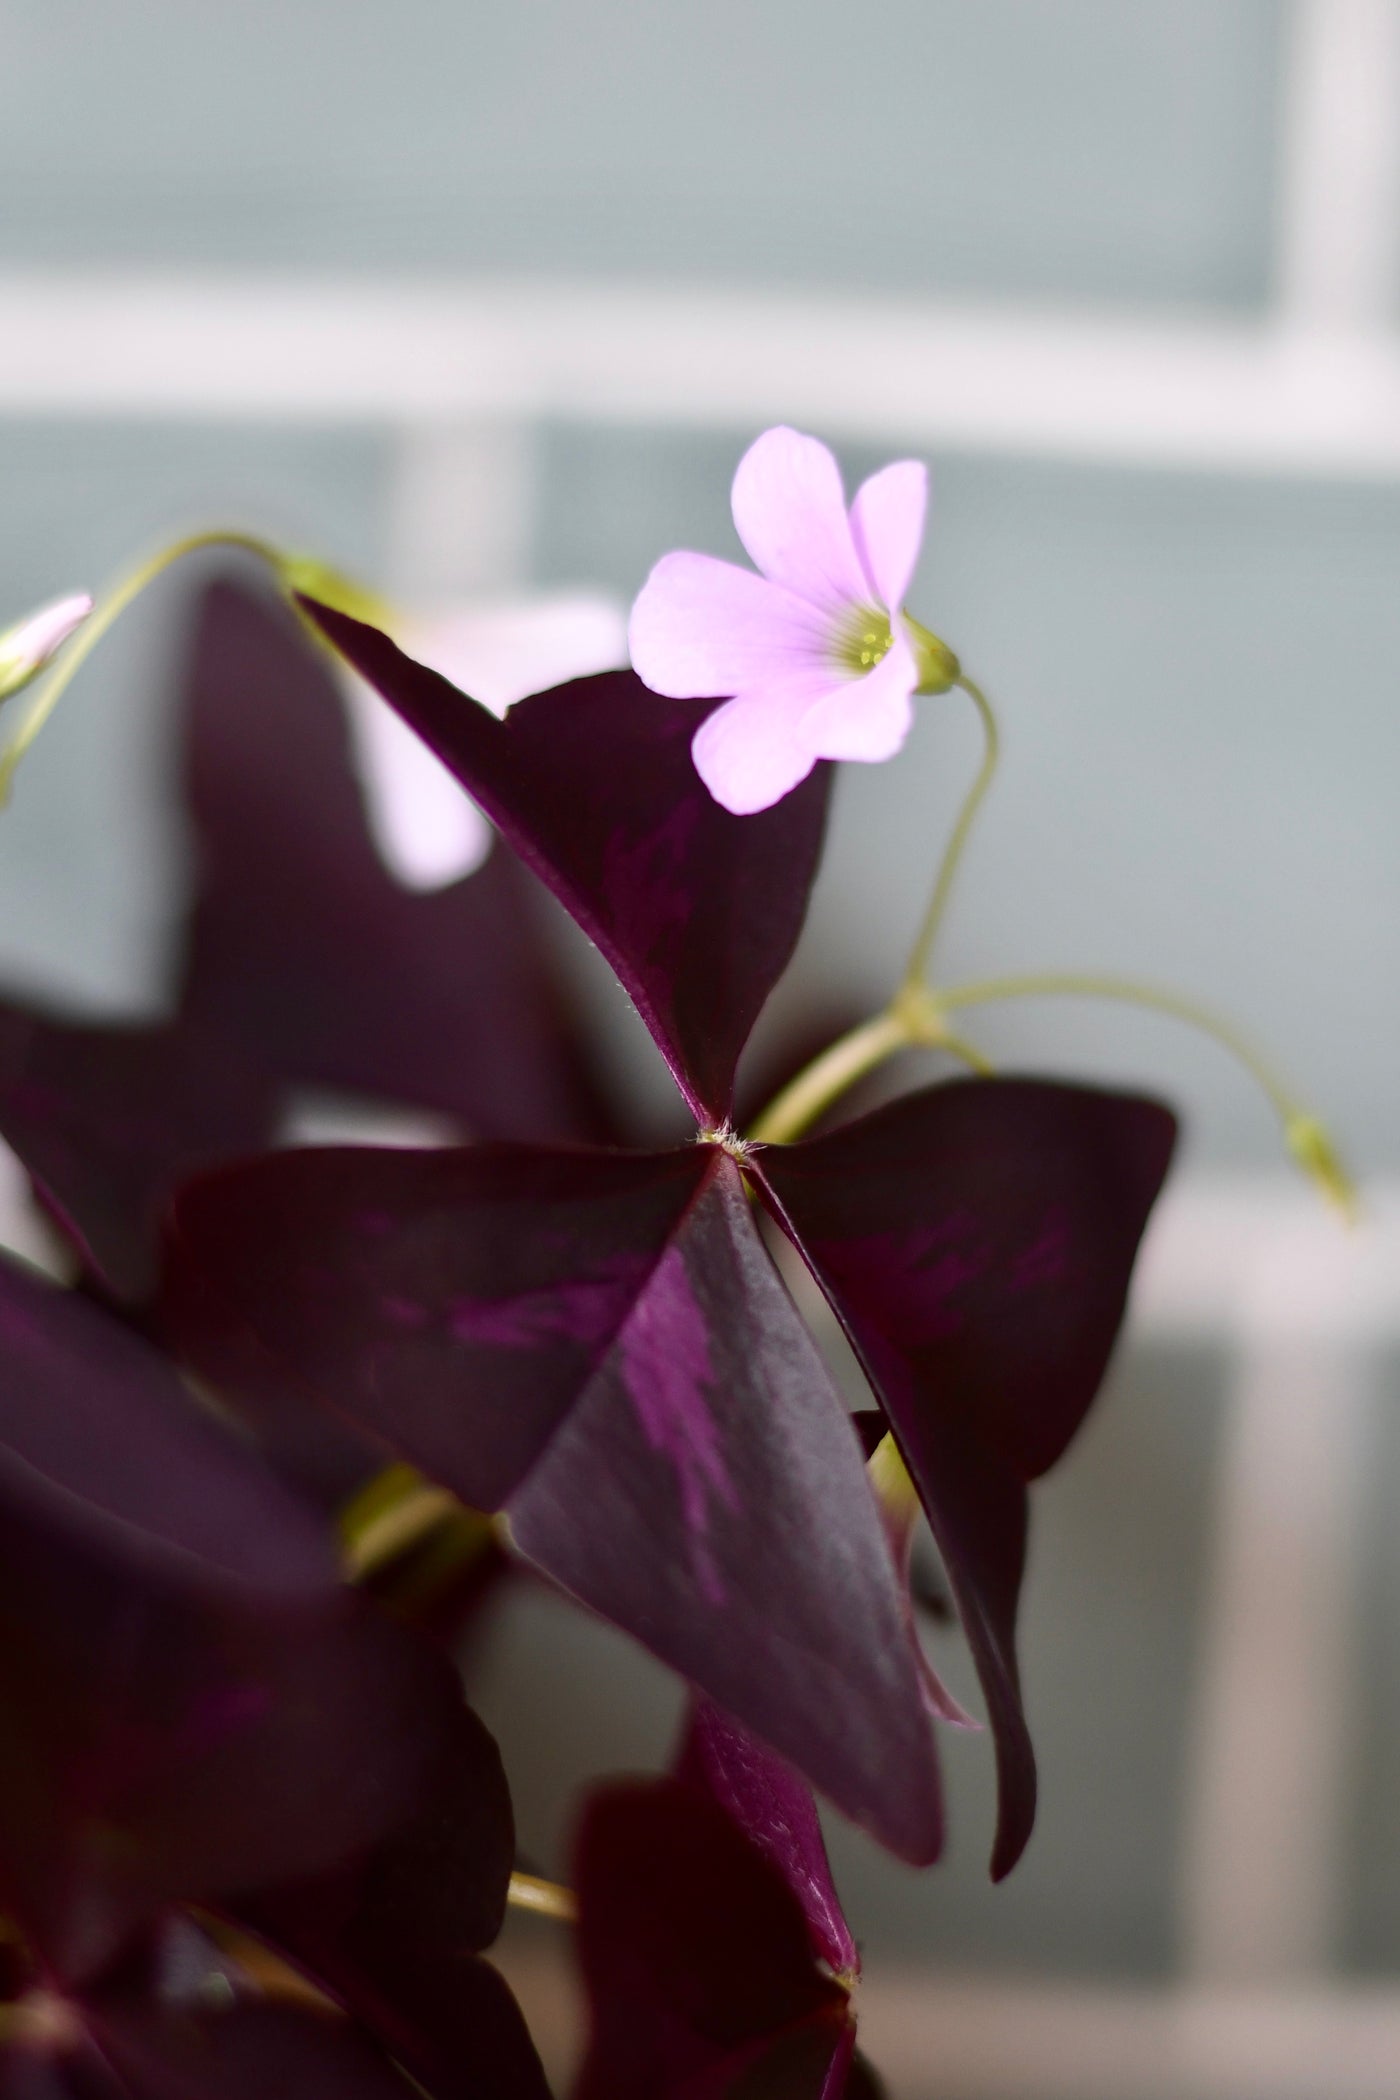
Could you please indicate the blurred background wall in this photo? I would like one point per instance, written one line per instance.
(478, 296)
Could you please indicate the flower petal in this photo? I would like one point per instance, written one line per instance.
(427, 831)
(752, 751)
(703, 627)
(790, 511)
(887, 519)
(865, 718)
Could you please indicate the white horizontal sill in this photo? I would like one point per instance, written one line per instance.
(1265, 397)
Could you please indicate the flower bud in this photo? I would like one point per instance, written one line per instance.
(1315, 1153)
(34, 641)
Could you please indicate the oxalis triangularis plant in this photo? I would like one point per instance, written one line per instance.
(261, 1461)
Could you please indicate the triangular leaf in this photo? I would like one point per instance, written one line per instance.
(695, 1956)
(593, 784)
(600, 1342)
(976, 1240)
(706, 1493)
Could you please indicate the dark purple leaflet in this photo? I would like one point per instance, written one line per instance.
(193, 1703)
(976, 1241)
(393, 1935)
(600, 1343)
(593, 784)
(694, 1952)
(764, 1797)
(106, 1120)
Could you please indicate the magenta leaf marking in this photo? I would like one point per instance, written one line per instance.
(666, 1372)
(605, 1349)
(451, 1305)
(582, 1309)
(706, 1494)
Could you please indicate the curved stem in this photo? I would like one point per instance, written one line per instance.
(1129, 991)
(549, 1899)
(911, 1020)
(1306, 1137)
(394, 1530)
(916, 970)
(967, 1053)
(103, 616)
(829, 1076)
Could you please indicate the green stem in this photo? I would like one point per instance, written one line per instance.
(910, 1020)
(1090, 985)
(829, 1076)
(966, 1053)
(396, 1529)
(548, 1899)
(1306, 1137)
(916, 971)
(104, 616)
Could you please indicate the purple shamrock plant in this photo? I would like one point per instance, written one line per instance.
(251, 1839)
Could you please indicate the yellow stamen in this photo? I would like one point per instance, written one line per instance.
(865, 640)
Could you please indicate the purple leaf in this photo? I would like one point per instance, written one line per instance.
(707, 1495)
(593, 784)
(976, 1241)
(600, 1342)
(193, 1705)
(100, 1443)
(451, 1304)
(306, 950)
(391, 1936)
(107, 1119)
(774, 1808)
(695, 1956)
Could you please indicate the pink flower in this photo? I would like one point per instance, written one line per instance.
(816, 650)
